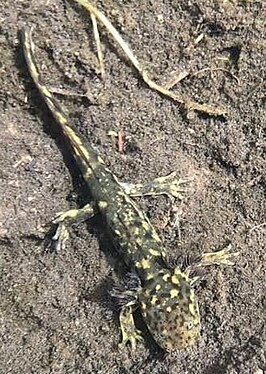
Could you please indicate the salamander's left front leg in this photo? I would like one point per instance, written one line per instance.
(169, 185)
(65, 219)
(128, 329)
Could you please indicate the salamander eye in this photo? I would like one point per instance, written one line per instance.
(189, 325)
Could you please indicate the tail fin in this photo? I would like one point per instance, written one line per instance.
(55, 108)
(84, 153)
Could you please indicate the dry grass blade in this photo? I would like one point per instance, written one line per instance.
(98, 45)
(186, 101)
(216, 69)
(175, 78)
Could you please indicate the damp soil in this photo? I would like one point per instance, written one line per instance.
(55, 313)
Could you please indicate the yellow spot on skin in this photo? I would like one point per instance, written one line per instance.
(46, 92)
(138, 265)
(139, 241)
(156, 237)
(177, 271)
(100, 160)
(153, 252)
(191, 309)
(154, 299)
(77, 143)
(169, 309)
(61, 118)
(88, 171)
(79, 147)
(174, 279)
(158, 287)
(173, 293)
(146, 294)
(144, 306)
(166, 277)
(145, 225)
(102, 204)
(150, 276)
(145, 264)
(136, 229)
(33, 69)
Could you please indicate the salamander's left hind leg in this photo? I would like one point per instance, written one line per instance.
(223, 257)
(126, 295)
(169, 185)
(130, 334)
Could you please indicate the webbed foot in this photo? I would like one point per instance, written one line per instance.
(130, 334)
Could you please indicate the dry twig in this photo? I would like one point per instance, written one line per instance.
(98, 45)
(186, 101)
(216, 69)
(175, 78)
(120, 141)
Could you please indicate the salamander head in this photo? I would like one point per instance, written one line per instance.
(170, 310)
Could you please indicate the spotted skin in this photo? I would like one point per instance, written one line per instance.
(165, 296)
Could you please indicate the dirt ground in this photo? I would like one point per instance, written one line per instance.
(54, 314)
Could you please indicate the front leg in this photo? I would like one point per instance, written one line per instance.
(65, 219)
(169, 185)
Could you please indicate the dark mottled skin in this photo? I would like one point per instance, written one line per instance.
(166, 298)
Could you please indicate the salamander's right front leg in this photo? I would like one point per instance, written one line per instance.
(168, 185)
(65, 219)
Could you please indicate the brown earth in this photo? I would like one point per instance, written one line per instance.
(54, 318)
